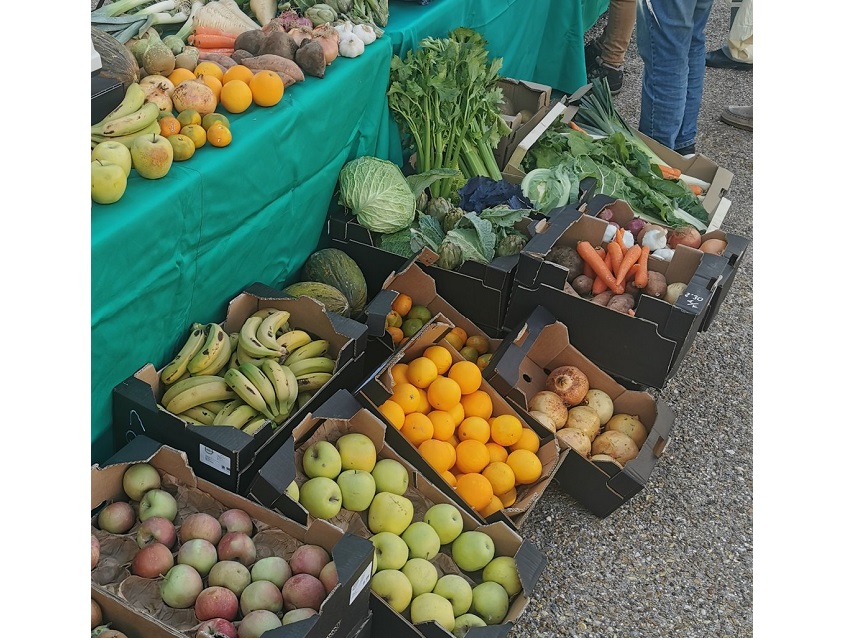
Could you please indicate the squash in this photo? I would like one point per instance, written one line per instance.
(334, 267)
(325, 294)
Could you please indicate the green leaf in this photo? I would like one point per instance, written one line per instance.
(399, 243)
(428, 233)
(420, 181)
(469, 242)
(484, 239)
(502, 217)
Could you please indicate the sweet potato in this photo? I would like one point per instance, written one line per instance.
(272, 62)
(603, 298)
(223, 60)
(241, 54)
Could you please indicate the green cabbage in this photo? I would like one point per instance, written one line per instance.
(377, 193)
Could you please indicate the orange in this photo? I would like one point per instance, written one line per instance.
(398, 373)
(208, 68)
(213, 82)
(484, 360)
(169, 126)
(477, 404)
(182, 147)
(471, 456)
(497, 453)
(196, 133)
(394, 319)
(470, 354)
(528, 441)
(440, 356)
(440, 455)
(424, 406)
(402, 304)
(442, 424)
(480, 343)
(219, 135)
(506, 430)
(394, 413)
(179, 75)
(508, 499)
(525, 465)
(449, 477)
(444, 394)
(421, 372)
(416, 428)
(457, 412)
(236, 96)
(494, 506)
(474, 489)
(454, 340)
(467, 375)
(452, 440)
(459, 331)
(189, 116)
(396, 334)
(473, 428)
(407, 396)
(501, 476)
(238, 72)
(267, 88)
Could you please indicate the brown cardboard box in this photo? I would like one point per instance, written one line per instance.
(520, 96)
(120, 616)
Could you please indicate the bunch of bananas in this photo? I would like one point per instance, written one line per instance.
(131, 118)
(245, 378)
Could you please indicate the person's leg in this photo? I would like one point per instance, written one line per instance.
(664, 34)
(735, 53)
(696, 76)
(621, 17)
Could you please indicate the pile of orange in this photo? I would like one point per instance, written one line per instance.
(440, 407)
(473, 348)
(405, 318)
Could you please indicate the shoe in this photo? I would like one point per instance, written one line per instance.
(740, 117)
(719, 60)
(614, 75)
(688, 152)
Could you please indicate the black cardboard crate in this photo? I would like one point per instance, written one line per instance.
(343, 610)
(645, 349)
(221, 454)
(541, 344)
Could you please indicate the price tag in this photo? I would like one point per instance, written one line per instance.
(214, 459)
(691, 301)
(361, 583)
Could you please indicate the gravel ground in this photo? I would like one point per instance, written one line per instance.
(688, 570)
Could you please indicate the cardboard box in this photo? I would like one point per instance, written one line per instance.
(645, 349)
(520, 96)
(363, 630)
(344, 608)
(378, 389)
(120, 616)
(479, 291)
(519, 371)
(699, 166)
(221, 454)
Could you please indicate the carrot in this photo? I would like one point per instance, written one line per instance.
(588, 253)
(574, 126)
(630, 259)
(599, 285)
(670, 173)
(614, 250)
(696, 189)
(641, 279)
(211, 41)
(620, 238)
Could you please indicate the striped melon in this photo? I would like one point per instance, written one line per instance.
(334, 267)
(325, 294)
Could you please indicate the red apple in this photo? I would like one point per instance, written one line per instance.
(97, 614)
(238, 546)
(309, 558)
(216, 628)
(216, 602)
(329, 576)
(200, 525)
(236, 520)
(256, 623)
(117, 517)
(96, 550)
(230, 574)
(152, 561)
(156, 529)
(262, 594)
(199, 554)
(303, 590)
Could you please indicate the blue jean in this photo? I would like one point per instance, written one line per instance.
(671, 42)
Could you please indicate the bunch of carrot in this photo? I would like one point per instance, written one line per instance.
(613, 266)
(212, 40)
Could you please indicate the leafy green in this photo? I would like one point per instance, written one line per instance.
(378, 193)
(502, 216)
(551, 188)
(427, 233)
(420, 181)
(475, 237)
(399, 242)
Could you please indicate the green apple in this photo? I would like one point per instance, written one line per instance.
(115, 152)
(140, 477)
(391, 551)
(357, 489)
(503, 571)
(293, 491)
(430, 606)
(357, 452)
(394, 587)
(158, 502)
(321, 496)
(422, 539)
(321, 459)
(457, 590)
(152, 155)
(490, 602)
(422, 574)
(109, 182)
(465, 622)
(390, 512)
(472, 550)
(446, 520)
(391, 476)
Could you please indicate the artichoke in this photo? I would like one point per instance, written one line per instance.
(422, 202)
(451, 218)
(511, 244)
(449, 255)
(438, 208)
(321, 14)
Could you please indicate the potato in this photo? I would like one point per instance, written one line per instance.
(583, 285)
(674, 291)
(568, 258)
(623, 303)
(603, 457)
(617, 445)
(576, 439)
(603, 298)
(656, 286)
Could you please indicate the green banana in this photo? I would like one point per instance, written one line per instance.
(241, 385)
(183, 385)
(268, 329)
(215, 406)
(254, 425)
(227, 409)
(291, 340)
(199, 415)
(178, 366)
(257, 377)
(312, 381)
(234, 359)
(216, 341)
(313, 349)
(242, 357)
(215, 390)
(303, 398)
(281, 384)
(234, 337)
(249, 341)
(127, 140)
(134, 98)
(321, 364)
(131, 123)
(240, 416)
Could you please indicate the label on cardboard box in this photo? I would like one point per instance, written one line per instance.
(214, 459)
(361, 583)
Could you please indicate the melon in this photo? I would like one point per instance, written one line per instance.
(325, 294)
(335, 268)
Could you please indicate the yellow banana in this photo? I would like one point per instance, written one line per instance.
(240, 416)
(227, 409)
(303, 398)
(214, 390)
(257, 377)
(313, 349)
(241, 385)
(131, 123)
(223, 357)
(183, 385)
(199, 415)
(292, 340)
(254, 425)
(134, 98)
(178, 366)
(312, 381)
(215, 406)
(216, 341)
(321, 364)
(263, 312)
(268, 329)
(127, 140)
(249, 341)
(283, 391)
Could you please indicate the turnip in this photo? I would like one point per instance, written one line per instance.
(551, 405)
(688, 236)
(617, 445)
(601, 402)
(630, 426)
(585, 419)
(568, 382)
(576, 439)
